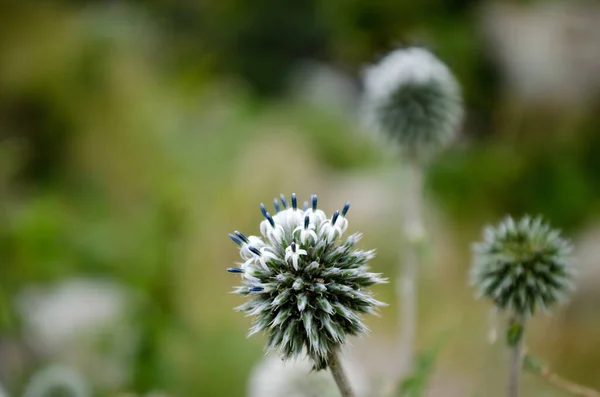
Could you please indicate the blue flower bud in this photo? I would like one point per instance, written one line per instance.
(241, 236)
(263, 210)
(335, 216)
(270, 219)
(235, 239)
(283, 201)
(346, 208)
(276, 204)
(254, 251)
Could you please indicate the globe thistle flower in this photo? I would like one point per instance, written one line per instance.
(305, 283)
(522, 266)
(413, 98)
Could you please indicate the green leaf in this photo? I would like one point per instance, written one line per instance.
(532, 364)
(415, 384)
(514, 333)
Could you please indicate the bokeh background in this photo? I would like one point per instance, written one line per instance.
(134, 135)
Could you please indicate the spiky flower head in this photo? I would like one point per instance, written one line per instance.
(305, 283)
(522, 266)
(413, 98)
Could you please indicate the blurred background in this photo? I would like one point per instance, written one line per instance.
(134, 135)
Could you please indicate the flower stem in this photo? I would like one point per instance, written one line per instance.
(516, 352)
(515, 337)
(406, 285)
(531, 365)
(339, 375)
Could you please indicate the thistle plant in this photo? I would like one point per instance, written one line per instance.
(412, 99)
(522, 267)
(305, 283)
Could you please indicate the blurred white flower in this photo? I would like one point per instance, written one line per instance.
(82, 323)
(57, 378)
(548, 52)
(414, 99)
(3, 392)
(273, 377)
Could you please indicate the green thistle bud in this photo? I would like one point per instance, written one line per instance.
(522, 266)
(413, 98)
(305, 283)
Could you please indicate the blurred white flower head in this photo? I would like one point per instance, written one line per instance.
(274, 377)
(547, 51)
(55, 379)
(414, 99)
(82, 323)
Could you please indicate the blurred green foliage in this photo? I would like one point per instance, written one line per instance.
(415, 383)
(557, 179)
(135, 135)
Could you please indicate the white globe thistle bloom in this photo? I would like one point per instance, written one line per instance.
(273, 377)
(306, 286)
(523, 266)
(413, 98)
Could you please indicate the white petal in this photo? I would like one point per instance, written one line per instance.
(316, 217)
(276, 234)
(264, 227)
(342, 223)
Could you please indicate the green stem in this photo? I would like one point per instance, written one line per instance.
(516, 353)
(536, 368)
(406, 285)
(339, 375)
(515, 340)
